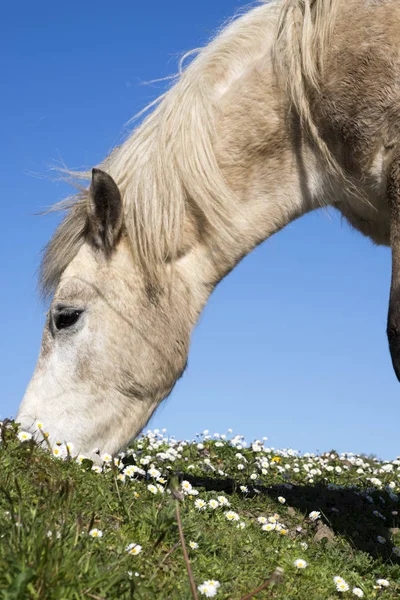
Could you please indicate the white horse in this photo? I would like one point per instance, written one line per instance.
(295, 105)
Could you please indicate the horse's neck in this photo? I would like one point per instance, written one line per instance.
(274, 176)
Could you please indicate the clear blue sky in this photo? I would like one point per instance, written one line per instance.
(292, 344)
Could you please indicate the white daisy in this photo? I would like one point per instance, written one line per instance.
(300, 563)
(96, 533)
(133, 549)
(24, 436)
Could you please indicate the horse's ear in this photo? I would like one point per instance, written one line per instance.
(104, 210)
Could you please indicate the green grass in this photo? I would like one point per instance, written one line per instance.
(40, 493)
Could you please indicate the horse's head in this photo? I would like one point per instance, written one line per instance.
(113, 344)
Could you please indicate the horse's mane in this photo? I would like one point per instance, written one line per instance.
(170, 157)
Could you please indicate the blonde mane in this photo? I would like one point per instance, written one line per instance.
(169, 159)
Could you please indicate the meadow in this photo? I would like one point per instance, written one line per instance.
(210, 517)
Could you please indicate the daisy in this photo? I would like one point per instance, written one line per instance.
(241, 525)
(342, 586)
(24, 436)
(383, 582)
(358, 592)
(133, 549)
(232, 516)
(338, 579)
(209, 588)
(186, 486)
(96, 533)
(223, 501)
(281, 499)
(152, 488)
(153, 472)
(96, 469)
(262, 520)
(107, 458)
(300, 563)
(268, 527)
(244, 489)
(193, 545)
(59, 451)
(314, 515)
(200, 504)
(213, 504)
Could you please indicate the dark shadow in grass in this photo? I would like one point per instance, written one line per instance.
(344, 512)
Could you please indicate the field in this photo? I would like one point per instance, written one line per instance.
(249, 517)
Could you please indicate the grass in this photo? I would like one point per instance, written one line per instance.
(49, 506)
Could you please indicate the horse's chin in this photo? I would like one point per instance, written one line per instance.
(52, 441)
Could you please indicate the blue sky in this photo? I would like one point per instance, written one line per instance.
(292, 343)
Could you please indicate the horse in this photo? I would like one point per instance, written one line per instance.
(293, 106)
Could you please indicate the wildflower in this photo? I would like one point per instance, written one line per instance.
(24, 436)
(107, 458)
(268, 527)
(314, 515)
(213, 504)
(186, 487)
(96, 469)
(241, 525)
(232, 516)
(273, 519)
(283, 531)
(80, 458)
(358, 592)
(130, 470)
(133, 549)
(381, 539)
(253, 476)
(152, 488)
(39, 424)
(338, 579)
(300, 563)
(244, 489)
(342, 586)
(262, 520)
(96, 533)
(121, 477)
(281, 499)
(276, 459)
(193, 545)
(383, 582)
(200, 504)
(304, 545)
(153, 472)
(59, 451)
(209, 588)
(240, 467)
(223, 501)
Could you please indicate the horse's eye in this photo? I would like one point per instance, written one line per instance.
(66, 318)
